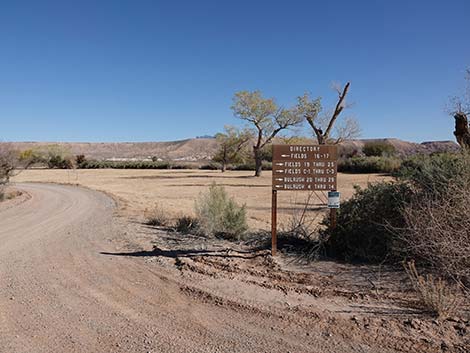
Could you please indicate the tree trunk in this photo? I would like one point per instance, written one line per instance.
(462, 133)
(224, 167)
(258, 162)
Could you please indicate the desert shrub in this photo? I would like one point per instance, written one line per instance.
(186, 224)
(369, 165)
(210, 166)
(435, 295)
(8, 163)
(59, 162)
(437, 222)
(156, 216)
(180, 166)
(218, 214)
(348, 151)
(366, 223)
(56, 156)
(438, 232)
(424, 215)
(80, 159)
(125, 165)
(29, 157)
(434, 173)
(378, 149)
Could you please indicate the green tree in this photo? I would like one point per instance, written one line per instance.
(267, 118)
(231, 144)
(56, 156)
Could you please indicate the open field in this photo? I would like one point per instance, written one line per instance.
(176, 190)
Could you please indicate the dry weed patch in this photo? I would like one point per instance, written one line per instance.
(436, 295)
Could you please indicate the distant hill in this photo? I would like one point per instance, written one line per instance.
(202, 149)
(406, 148)
(197, 149)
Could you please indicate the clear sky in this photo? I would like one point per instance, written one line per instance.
(163, 70)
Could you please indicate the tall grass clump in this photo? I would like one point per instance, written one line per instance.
(156, 216)
(219, 215)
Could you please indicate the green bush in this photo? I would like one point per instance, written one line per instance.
(210, 166)
(180, 166)
(55, 156)
(125, 165)
(59, 162)
(366, 223)
(348, 151)
(369, 165)
(378, 149)
(219, 215)
(434, 173)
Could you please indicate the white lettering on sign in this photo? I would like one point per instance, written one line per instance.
(294, 186)
(293, 171)
(304, 148)
(307, 167)
(292, 164)
(299, 155)
(294, 180)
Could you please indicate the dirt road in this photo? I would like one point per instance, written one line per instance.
(59, 293)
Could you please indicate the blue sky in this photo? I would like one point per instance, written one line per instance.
(164, 70)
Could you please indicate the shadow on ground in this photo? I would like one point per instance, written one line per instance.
(229, 253)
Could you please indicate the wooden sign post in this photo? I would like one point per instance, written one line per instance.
(301, 168)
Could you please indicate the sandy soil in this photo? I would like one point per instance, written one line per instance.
(77, 277)
(63, 290)
(176, 190)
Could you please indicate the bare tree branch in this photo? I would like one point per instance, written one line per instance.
(322, 125)
(338, 109)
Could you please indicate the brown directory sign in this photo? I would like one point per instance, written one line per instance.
(304, 167)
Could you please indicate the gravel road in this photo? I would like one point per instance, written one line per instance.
(59, 293)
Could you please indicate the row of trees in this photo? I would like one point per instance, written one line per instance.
(266, 120)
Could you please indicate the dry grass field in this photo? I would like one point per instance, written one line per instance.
(176, 190)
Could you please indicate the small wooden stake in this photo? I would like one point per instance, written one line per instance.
(274, 224)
